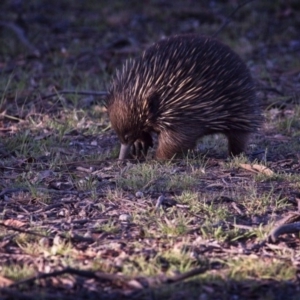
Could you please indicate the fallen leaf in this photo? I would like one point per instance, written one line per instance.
(14, 223)
(5, 281)
(263, 169)
(256, 168)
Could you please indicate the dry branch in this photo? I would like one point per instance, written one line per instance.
(21, 36)
(72, 92)
(229, 18)
(113, 278)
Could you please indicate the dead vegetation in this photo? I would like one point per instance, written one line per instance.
(77, 224)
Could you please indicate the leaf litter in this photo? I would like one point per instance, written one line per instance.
(75, 223)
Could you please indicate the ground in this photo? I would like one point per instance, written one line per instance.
(77, 224)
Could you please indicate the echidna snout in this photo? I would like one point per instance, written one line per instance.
(139, 147)
(182, 88)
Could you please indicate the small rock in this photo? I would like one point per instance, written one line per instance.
(125, 218)
(44, 242)
(139, 194)
(94, 143)
(57, 240)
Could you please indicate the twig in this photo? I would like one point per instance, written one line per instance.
(83, 273)
(73, 237)
(270, 89)
(13, 190)
(83, 93)
(241, 226)
(186, 275)
(228, 19)
(43, 190)
(23, 230)
(283, 229)
(110, 277)
(289, 224)
(21, 36)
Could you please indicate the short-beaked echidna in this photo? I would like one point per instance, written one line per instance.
(182, 88)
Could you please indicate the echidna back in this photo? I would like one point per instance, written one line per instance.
(182, 88)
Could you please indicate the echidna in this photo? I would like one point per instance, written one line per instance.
(182, 88)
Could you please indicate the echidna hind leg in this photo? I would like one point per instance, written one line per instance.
(237, 141)
(171, 145)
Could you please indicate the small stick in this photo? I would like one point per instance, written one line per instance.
(229, 18)
(20, 34)
(83, 273)
(83, 93)
(283, 229)
(108, 277)
(23, 230)
(186, 275)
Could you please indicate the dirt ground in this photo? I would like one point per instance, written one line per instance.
(76, 223)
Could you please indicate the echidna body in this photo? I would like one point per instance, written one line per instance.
(182, 88)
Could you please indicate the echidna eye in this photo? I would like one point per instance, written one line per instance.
(126, 138)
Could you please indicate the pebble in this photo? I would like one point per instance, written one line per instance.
(139, 194)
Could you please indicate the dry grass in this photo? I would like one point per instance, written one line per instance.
(77, 224)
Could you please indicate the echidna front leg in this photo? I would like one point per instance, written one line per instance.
(237, 141)
(141, 145)
(171, 144)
